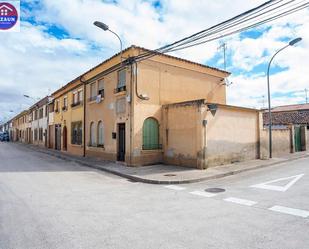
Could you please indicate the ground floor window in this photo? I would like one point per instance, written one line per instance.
(77, 133)
(41, 134)
(35, 134)
(151, 134)
(100, 134)
(92, 141)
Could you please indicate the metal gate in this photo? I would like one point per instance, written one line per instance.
(58, 137)
(297, 138)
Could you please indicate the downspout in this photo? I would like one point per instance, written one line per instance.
(131, 113)
(47, 127)
(140, 96)
(84, 114)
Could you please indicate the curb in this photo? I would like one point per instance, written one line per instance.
(167, 182)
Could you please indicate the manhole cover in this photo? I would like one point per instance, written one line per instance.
(214, 190)
(169, 175)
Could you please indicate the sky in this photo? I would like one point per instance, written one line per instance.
(58, 42)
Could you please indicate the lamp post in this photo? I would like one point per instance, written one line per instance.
(105, 27)
(291, 43)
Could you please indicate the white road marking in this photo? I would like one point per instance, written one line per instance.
(240, 201)
(201, 193)
(268, 186)
(292, 211)
(174, 187)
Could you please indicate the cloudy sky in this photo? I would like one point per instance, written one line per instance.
(58, 42)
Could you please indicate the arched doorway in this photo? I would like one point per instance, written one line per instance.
(65, 139)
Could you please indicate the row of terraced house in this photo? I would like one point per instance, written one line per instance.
(161, 109)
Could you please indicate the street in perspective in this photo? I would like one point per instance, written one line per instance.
(48, 202)
(154, 124)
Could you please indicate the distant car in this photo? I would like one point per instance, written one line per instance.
(6, 136)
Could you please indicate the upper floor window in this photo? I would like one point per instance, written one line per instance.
(101, 87)
(93, 91)
(121, 84)
(80, 96)
(41, 113)
(77, 98)
(65, 104)
(57, 106)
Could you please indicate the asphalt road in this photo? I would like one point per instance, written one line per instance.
(49, 203)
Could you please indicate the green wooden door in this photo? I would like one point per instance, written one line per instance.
(150, 134)
(297, 137)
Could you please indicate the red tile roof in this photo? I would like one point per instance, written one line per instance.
(286, 108)
(289, 114)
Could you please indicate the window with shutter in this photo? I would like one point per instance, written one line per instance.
(93, 91)
(151, 134)
(121, 84)
(101, 87)
(100, 134)
(92, 134)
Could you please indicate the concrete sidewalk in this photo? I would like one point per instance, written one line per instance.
(168, 174)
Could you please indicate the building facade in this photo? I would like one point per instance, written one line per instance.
(124, 114)
(159, 109)
(38, 119)
(66, 128)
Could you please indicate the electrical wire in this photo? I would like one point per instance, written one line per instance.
(249, 19)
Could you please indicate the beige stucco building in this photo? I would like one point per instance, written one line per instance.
(66, 118)
(20, 125)
(124, 104)
(161, 109)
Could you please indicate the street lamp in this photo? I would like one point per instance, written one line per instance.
(291, 43)
(103, 26)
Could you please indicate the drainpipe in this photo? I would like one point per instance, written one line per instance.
(47, 127)
(84, 121)
(131, 114)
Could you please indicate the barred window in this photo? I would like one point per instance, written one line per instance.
(76, 133)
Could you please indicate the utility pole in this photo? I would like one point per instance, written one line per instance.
(223, 46)
(263, 101)
(306, 93)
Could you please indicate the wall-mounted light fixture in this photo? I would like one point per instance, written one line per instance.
(212, 108)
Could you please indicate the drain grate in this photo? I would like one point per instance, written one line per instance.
(215, 190)
(169, 175)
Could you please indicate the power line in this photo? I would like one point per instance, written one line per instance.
(257, 16)
(223, 46)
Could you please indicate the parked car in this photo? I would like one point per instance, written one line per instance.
(4, 136)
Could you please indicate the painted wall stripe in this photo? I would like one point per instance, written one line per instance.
(240, 201)
(204, 194)
(292, 211)
(174, 187)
